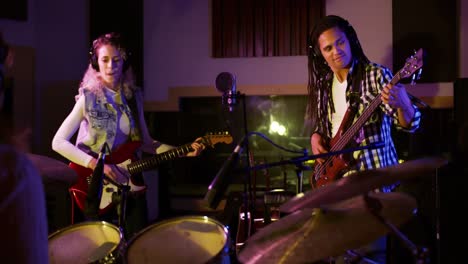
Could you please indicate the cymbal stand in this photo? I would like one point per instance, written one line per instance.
(358, 257)
(421, 254)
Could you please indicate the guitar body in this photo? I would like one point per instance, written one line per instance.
(335, 166)
(122, 156)
(330, 171)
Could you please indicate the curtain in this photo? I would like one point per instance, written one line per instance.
(259, 28)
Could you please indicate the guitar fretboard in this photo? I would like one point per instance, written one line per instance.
(153, 162)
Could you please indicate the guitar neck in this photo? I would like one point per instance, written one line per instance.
(354, 128)
(146, 164)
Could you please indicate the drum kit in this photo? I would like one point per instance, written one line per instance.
(317, 225)
(187, 239)
(335, 219)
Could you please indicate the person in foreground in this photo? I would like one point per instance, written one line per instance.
(109, 111)
(23, 219)
(342, 77)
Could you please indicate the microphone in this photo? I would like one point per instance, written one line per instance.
(417, 100)
(219, 184)
(93, 198)
(226, 84)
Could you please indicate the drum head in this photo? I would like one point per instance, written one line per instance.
(84, 243)
(192, 239)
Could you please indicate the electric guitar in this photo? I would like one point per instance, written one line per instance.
(125, 159)
(335, 166)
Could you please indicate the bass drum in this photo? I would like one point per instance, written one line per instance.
(87, 242)
(188, 239)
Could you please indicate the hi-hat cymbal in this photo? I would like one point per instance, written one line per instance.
(311, 235)
(362, 182)
(53, 170)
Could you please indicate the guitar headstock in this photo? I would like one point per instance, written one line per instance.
(412, 64)
(213, 138)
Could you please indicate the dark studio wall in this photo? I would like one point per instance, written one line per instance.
(14, 10)
(125, 17)
(431, 25)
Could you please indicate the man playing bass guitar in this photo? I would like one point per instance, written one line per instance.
(352, 101)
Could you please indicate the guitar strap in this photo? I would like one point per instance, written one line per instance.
(353, 95)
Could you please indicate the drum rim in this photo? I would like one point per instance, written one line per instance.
(86, 223)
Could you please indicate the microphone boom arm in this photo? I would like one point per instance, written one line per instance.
(299, 160)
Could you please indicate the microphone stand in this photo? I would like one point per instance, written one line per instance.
(93, 198)
(121, 199)
(249, 208)
(299, 160)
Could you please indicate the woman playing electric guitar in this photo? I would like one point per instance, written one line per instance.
(109, 109)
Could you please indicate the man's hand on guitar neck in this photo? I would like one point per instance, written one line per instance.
(318, 146)
(397, 97)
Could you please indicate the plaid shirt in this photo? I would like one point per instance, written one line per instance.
(377, 129)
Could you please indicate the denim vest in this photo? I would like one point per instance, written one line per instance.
(100, 122)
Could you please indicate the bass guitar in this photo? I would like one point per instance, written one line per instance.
(336, 166)
(125, 159)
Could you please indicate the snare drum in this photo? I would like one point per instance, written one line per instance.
(189, 239)
(87, 242)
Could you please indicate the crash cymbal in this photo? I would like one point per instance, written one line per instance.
(53, 170)
(315, 234)
(362, 182)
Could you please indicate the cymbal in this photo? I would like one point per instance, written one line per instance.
(314, 234)
(52, 169)
(362, 182)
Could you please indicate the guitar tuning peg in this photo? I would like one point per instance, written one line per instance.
(416, 76)
(419, 74)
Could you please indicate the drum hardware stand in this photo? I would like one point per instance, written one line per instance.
(421, 254)
(300, 178)
(299, 174)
